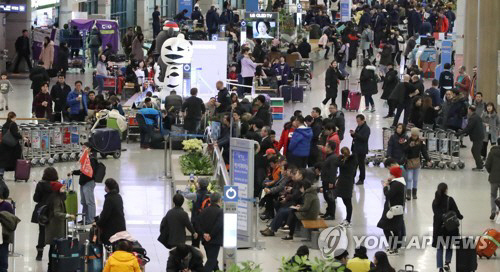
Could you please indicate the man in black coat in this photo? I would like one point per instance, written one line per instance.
(263, 113)
(212, 21)
(38, 77)
(185, 258)
(359, 146)
(332, 78)
(304, 48)
(475, 130)
(338, 119)
(261, 162)
(193, 108)
(196, 15)
(316, 124)
(112, 218)
(391, 79)
(211, 226)
(23, 51)
(59, 94)
(173, 226)
(493, 167)
(402, 95)
(328, 177)
(223, 103)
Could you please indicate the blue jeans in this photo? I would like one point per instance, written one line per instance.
(439, 256)
(88, 201)
(94, 55)
(412, 181)
(280, 218)
(369, 101)
(4, 257)
(100, 82)
(342, 66)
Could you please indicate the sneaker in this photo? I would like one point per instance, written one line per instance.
(346, 224)
(285, 227)
(267, 232)
(447, 267)
(286, 238)
(367, 109)
(388, 116)
(391, 252)
(492, 216)
(329, 218)
(478, 169)
(360, 182)
(372, 110)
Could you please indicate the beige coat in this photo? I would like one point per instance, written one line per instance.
(137, 50)
(47, 55)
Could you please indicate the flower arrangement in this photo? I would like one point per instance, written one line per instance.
(195, 162)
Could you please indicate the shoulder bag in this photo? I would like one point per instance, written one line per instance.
(450, 218)
(8, 139)
(394, 210)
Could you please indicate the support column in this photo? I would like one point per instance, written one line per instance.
(470, 34)
(104, 8)
(487, 48)
(66, 7)
(458, 29)
(143, 17)
(15, 23)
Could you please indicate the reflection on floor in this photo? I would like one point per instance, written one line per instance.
(147, 197)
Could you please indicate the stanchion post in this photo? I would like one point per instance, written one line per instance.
(12, 252)
(169, 172)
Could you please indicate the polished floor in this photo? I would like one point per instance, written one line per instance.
(147, 196)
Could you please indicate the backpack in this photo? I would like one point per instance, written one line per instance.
(450, 219)
(94, 40)
(99, 172)
(43, 215)
(205, 203)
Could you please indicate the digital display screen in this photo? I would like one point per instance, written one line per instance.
(8, 8)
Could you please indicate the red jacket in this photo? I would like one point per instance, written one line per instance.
(442, 24)
(333, 137)
(284, 139)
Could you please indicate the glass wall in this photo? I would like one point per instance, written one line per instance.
(90, 7)
(125, 13)
(168, 8)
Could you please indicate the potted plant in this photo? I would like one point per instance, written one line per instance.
(194, 161)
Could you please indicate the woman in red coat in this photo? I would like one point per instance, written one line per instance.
(286, 135)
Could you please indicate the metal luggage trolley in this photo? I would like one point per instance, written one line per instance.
(44, 146)
(74, 137)
(66, 141)
(36, 144)
(432, 147)
(454, 151)
(378, 156)
(56, 142)
(132, 126)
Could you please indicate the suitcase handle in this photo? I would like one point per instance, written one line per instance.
(409, 266)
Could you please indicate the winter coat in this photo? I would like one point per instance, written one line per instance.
(339, 121)
(345, 180)
(41, 196)
(175, 263)
(212, 19)
(9, 222)
(493, 123)
(47, 55)
(74, 104)
(438, 231)
(332, 78)
(112, 219)
(435, 95)
(62, 58)
(310, 209)
(475, 128)
(173, 227)
(284, 71)
(368, 80)
(56, 228)
(300, 143)
(137, 50)
(395, 149)
(40, 110)
(386, 55)
(493, 165)
(212, 221)
(360, 139)
(59, 94)
(122, 261)
(456, 113)
(394, 195)
(10, 155)
(285, 139)
(366, 39)
(38, 76)
(413, 148)
(445, 80)
(391, 80)
(329, 169)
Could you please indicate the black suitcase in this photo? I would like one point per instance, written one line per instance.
(157, 141)
(466, 260)
(286, 92)
(177, 140)
(297, 90)
(345, 96)
(106, 141)
(65, 255)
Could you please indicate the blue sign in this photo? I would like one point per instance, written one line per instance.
(186, 4)
(222, 28)
(345, 10)
(243, 26)
(215, 37)
(252, 5)
(240, 166)
(7, 8)
(230, 194)
(299, 8)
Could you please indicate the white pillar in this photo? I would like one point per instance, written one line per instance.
(104, 8)
(143, 18)
(15, 23)
(458, 28)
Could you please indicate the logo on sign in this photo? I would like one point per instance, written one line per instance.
(187, 67)
(106, 26)
(230, 193)
(215, 37)
(243, 23)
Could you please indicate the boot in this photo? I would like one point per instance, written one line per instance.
(414, 193)
(39, 254)
(408, 194)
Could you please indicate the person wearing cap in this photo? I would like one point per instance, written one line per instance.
(475, 130)
(394, 191)
(360, 261)
(57, 216)
(414, 148)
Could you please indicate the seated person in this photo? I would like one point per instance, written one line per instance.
(115, 104)
(153, 101)
(274, 174)
(149, 120)
(309, 210)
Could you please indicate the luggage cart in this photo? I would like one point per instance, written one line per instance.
(56, 145)
(132, 126)
(36, 145)
(66, 141)
(454, 151)
(74, 141)
(44, 146)
(25, 131)
(432, 147)
(377, 156)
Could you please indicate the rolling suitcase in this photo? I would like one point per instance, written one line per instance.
(71, 201)
(177, 140)
(92, 257)
(297, 90)
(408, 268)
(466, 260)
(23, 170)
(353, 101)
(488, 243)
(107, 141)
(286, 92)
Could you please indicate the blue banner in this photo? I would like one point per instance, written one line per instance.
(345, 10)
(186, 4)
(252, 5)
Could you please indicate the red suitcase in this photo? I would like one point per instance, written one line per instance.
(353, 101)
(23, 169)
(488, 243)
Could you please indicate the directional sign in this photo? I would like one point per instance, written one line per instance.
(230, 193)
(215, 37)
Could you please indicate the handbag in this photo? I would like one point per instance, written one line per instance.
(450, 218)
(394, 210)
(8, 139)
(413, 163)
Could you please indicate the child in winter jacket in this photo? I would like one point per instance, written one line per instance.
(122, 260)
